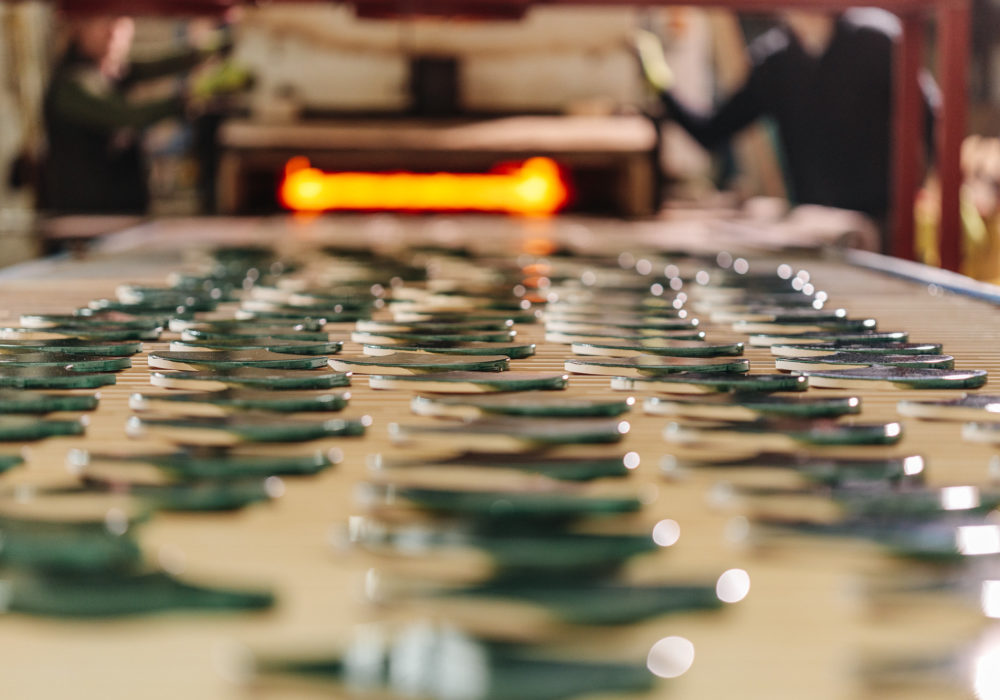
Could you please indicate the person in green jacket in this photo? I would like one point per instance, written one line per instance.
(95, 161)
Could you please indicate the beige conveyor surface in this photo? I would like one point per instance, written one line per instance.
(802, 631)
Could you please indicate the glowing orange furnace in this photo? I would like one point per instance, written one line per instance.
(534, 188)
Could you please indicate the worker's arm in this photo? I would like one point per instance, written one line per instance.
(220, 44)
(712, 130)
(750, 102)
(174, 64)
(75, 102)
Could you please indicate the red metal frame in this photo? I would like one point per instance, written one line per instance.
(187, 8)
(954, 20)
(477, 9)
(908, 128)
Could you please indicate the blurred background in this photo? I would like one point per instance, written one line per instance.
(363, 87)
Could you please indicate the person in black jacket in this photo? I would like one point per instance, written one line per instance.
(826, 82)
(95, 161)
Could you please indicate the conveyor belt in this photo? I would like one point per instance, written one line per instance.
(800, 633)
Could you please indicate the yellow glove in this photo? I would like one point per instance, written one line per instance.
(225, 78)
(654, 64)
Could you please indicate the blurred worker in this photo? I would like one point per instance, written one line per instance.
(95, 161)
(826, 81)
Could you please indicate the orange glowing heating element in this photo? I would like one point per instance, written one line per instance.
(534, 188)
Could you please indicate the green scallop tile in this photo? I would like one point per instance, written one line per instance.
(648, 365)
(471, 382)
(15, 401)
(248, 377)
(409, 363)
(234, 359)
(51, 378)
(235, 430)
(236, 401)
(535, 404)
(897, 378)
